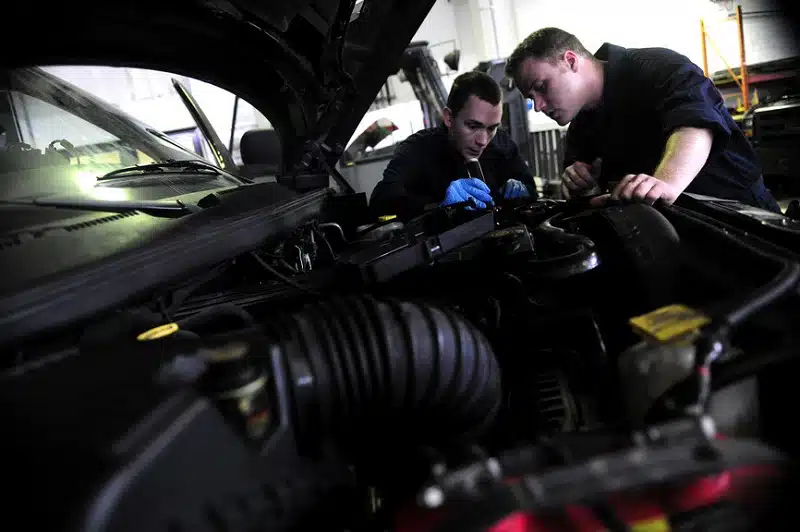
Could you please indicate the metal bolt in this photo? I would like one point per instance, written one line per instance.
(599, 467)
(638, 456)
(493, 466)
(708, 427)
(433, 497)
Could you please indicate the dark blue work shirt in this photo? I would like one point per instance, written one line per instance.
(648, 93)
(426, 163)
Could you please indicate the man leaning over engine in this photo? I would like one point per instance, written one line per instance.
(644, 124)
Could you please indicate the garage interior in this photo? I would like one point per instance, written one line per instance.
(205, 326)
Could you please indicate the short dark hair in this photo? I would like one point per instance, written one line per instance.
(546, 43)
(477, 83)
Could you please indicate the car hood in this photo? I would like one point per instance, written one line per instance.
(312, 67)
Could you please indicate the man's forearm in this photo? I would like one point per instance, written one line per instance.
(685, 155)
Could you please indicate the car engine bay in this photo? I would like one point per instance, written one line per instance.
(542, 365)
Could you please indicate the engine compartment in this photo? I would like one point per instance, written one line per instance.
(404, 376)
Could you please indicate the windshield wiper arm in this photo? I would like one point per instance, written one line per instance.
(183, 166)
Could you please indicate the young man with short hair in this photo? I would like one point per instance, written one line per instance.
(644, 124)
(429, 167)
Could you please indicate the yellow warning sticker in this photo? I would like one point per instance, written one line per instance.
(670, 322)
(158, 332)
(657, 524)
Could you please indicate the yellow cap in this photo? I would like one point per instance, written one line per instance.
(656, 524)
(669, 323)
(387, 218)
(161, 331)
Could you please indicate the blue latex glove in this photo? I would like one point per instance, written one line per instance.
(463, 189)
(515, 189)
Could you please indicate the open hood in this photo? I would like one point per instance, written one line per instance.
(312, 67)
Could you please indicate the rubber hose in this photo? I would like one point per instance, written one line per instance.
(357, 360)
(741, 308)
(781, 285)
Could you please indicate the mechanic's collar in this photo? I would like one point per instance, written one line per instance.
(610, 52)
(612, 55)
(450, 148)
(443, 132)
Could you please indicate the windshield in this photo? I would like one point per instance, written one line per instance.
(56, 139)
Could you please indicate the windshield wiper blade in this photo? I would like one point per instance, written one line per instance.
(155, 208)
(183, 166)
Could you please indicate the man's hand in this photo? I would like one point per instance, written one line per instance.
(640, 188)
(515, 189)
(463, 190)
(580, 179)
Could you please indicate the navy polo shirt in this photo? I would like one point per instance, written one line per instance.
(647, 94)
(425, 164)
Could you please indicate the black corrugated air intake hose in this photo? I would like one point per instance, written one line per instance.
(414, 369)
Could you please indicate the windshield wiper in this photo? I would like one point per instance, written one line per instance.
(155, 208)
(183, 166)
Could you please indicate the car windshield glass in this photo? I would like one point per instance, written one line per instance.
(56, 139)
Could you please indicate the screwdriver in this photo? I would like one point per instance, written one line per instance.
(474, 169)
